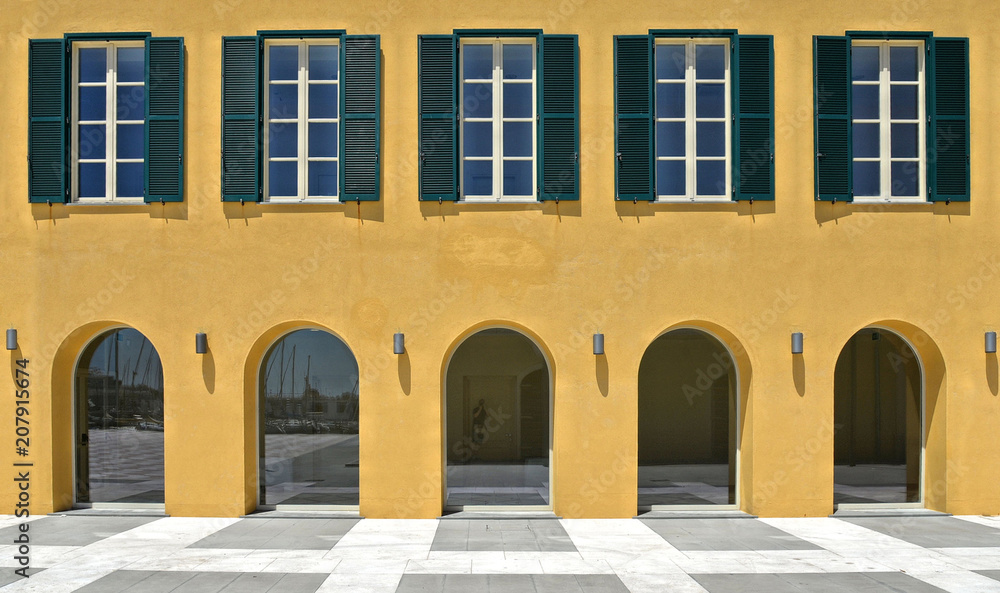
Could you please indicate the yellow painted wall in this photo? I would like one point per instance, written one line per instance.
(559, 272)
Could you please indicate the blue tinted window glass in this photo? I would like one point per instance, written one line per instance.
(129, 183)
(324, 61)
(517, 138)
(710, 62)
(478, 140)
(866, 178)
(477, 62)
(283, 178)
(92, 180)
(284, 101)
(710, 138)
(670, 62)
(904, 140)
(669, 100)
(517, 178)
(670, 178)
(478, 178)
(282, 140)
(670, 138)
(131, 103)
(92, 103)
(93, 142)
(864, 101)
(284, 62)
(517, 100)
(711, 178)
(866, 140)
(323, 139)
(517, 61)
(710, 100)
(902, 63)
(323, 178)
(864, 63)
(324, 100)
(904, 178)
(477, 100)
(131, 64)
(93, 64)
(131, 141)
(903, 99)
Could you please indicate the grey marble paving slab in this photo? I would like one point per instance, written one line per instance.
(692, 535)
(288, 534)
(849, 582)
(144, 581)
(502, 535)
(932, 532)
(510, 583)
(74, 531)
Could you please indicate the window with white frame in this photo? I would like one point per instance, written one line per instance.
(302, 127)
(109, 121)
(498, 112)
(888, 115)
(693, 119)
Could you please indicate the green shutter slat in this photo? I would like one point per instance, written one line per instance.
(240, 119)
(559, 128)
(832, 133)
(633, 118)
(47, 128)
(165, 119)
(362, 76)
(754, 164)
(437, 95)
(948, 138)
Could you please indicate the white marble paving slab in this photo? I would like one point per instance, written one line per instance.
(360, 583)
(660, 583)
(959, 582)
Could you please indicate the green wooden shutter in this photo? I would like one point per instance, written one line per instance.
(165, 119)
(753, 167)
(832, 107)
(559, 108)
(361, 134)
(634, 118)
(47, 126)
(437, 92)
(948, 147)
(241, 137)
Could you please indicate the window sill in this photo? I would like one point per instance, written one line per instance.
(124, 202)
(306, 202)
(530, 200)
(722, 200)
(891, 201)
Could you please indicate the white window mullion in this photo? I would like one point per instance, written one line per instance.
(110, 118)
(885, 128)
(497, 120)
(690, 127)
(303, 98)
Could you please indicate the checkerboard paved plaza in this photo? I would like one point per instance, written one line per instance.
(111, 554)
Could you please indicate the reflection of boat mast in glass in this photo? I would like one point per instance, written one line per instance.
(119, 394)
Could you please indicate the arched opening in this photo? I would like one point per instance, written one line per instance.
(308, 422)
(497, 422)
(878, 415)
(119, 421)
(688, 418)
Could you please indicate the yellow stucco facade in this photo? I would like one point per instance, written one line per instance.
(750, 273)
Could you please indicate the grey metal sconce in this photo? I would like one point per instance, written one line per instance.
(598, 344)
(398, 346)
(991, 342)
(796, 342)
(12, 339)
(200, 343)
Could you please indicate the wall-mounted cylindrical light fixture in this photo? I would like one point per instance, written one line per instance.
(796, 342)
(398, 345)
(991, 342)
(200, 343)
(598, 344)
(12, 339)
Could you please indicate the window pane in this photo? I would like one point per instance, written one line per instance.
(710, 100)
(866, 140)
(477, 100)
(131, 103)
(711, 178)
(282, 140)
(710, 61)
(902, 63)
(130, 180)
(478, 179)
(323, 62)
(284, 101)
(670, 139)
(866, 178)
(323, 139)
(93, 142)
(517, 100)
(904, 178)
(669, 100)
(131, 140)
(323, 178)
(904, 101)
(711, 138)
(864, 63)
(477, 61)
(284, 62)
(131, 64)
(517, 178)
(478, 140)
(324, 100)
(864, 101)
(93, 64)
(904, 140)
(517, 61)
(517, 138)
(670, 178)
(92, 180)
(283, 178)
(670, 62)
(92, 106)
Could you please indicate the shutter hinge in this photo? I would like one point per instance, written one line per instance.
(376, 157)
(618, 156)
(576, 157)
(772, 157)
(820, 155)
